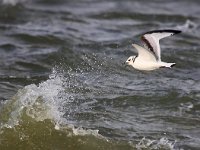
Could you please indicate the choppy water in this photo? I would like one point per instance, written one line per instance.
(63, 85)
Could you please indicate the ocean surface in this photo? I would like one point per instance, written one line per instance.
(63, 85)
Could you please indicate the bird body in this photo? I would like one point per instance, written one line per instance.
(149, 56)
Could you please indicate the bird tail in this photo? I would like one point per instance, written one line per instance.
(168, 65)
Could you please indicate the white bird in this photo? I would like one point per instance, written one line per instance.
(149, 56)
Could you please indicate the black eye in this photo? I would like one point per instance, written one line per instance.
(129, 60)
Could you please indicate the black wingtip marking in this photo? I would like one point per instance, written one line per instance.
(173, 65)
(165, 30)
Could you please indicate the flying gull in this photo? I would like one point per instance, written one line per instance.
(149, 56)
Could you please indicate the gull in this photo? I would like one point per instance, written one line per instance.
(149, 56)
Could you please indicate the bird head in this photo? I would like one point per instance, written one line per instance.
(130, 60)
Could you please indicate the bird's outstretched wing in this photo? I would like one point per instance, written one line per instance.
(151, 40)
(144, 53)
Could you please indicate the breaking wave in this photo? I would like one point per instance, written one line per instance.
(47, 101)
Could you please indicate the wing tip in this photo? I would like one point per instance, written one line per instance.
(176, 31)
(164, 30)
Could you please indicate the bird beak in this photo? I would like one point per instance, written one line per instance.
(125, 64)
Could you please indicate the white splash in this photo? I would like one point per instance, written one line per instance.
(48, 100)
(39, 102)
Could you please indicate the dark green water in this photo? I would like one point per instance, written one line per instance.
(63, 85)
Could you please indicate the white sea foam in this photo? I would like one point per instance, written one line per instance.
(162, 143)
(185, 107)
(12, 2)
(79, 131)
(188, 26)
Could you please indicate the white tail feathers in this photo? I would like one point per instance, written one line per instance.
(167, 65)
